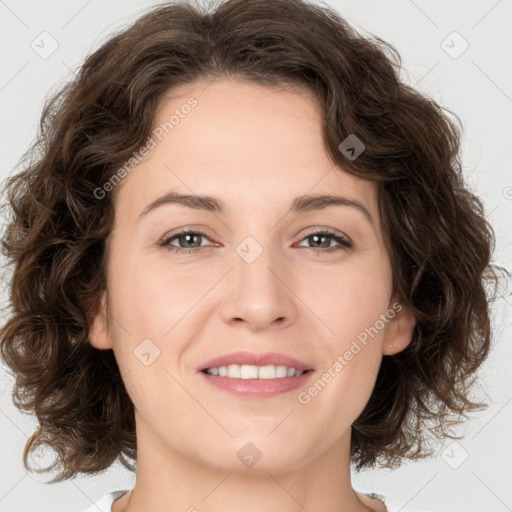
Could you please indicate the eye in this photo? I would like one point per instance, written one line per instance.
(323, 240)
(188, 238)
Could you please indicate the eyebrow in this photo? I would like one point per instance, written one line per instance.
(304, 203)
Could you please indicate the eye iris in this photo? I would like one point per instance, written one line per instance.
(188, 238)
(317, 237)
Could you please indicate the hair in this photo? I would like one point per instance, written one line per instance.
(56, 238)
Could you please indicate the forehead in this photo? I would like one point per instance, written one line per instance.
(247, 143)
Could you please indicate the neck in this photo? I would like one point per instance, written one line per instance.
(169, 480)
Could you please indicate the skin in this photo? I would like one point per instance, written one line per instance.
(256, 148)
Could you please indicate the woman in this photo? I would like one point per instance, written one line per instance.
(245, 258)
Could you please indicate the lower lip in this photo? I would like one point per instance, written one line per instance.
(258, 388)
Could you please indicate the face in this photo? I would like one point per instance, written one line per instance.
(260, 273)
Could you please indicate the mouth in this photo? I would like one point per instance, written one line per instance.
(246, 371)
(251, 375)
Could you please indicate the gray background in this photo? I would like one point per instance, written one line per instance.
(470, 475)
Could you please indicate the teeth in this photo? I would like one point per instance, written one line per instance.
(249, 371)
(246, 372)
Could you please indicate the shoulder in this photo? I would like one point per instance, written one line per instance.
(105, 503)
(391, 504)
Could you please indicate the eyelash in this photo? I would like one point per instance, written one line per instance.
(344, 243)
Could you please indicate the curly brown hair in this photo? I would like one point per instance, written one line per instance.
(439, 241)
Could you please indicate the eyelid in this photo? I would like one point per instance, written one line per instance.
(326, 229)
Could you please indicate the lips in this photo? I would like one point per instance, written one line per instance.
(251, 358)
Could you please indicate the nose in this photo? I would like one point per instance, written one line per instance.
(259, 293)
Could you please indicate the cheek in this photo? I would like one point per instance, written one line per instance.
(153, 298)
(352, 310)
(351, 299)
(359, 296)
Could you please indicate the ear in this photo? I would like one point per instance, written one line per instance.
(98, 330)
(399, 329)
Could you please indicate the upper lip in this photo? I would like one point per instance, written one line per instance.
(255, 359)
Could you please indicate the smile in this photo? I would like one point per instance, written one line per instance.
(248, 371)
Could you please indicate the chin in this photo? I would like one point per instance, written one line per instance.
(255, 455)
